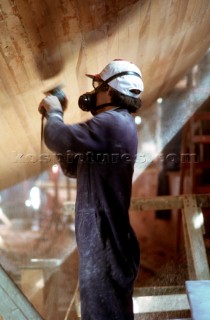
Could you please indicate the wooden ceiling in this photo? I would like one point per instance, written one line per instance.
(45, 42)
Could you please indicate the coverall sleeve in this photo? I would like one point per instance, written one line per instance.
(91, 135)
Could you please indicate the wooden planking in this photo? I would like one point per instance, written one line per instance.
(66, 39)
(33, 16)
(15, 55)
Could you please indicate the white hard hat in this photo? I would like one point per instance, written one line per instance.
(124, 76)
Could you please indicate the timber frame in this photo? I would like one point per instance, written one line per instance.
(190, 206)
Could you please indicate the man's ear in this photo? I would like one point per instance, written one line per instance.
(109, 89)
(109, 95)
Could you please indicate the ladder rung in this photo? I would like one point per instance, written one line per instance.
(201, 139)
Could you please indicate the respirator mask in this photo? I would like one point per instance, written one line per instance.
(87, 101)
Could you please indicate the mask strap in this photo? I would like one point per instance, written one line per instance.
(107, 81)
(101, 106)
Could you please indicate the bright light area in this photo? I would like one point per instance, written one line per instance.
(47, 262)
(72, 227)
(55, 169)
(1, 242)
(34, 260)
(40, 283)
(4, 218)
(149, 147)
(137, 120)
(159, 100)
(198, 221)
(28, 203)
(35, 198)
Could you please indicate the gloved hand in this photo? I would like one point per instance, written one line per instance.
(52, 104)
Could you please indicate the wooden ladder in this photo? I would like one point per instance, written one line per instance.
(157, 301)
(198, 268)
(196, 139)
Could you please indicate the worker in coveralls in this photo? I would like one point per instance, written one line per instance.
(101, 153)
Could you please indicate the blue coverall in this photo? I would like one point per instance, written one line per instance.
(100, 153)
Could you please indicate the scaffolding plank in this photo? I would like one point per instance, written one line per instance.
(198, 293)
(155, 203)
(166, 202)
(158, 291)
(13, 304)
(150, 304)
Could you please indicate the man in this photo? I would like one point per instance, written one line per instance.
(101, 154)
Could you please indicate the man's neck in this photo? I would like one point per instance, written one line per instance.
(107, 108)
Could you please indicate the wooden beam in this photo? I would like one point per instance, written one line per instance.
(156, 203)
(50, 185)
(170, 302)
(195, 249)
(158, 291)
(166, 202)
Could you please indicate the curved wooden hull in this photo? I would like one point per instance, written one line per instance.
(47, 42)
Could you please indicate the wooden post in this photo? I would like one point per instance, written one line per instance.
(195, 249)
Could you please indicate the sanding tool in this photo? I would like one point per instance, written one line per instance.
(58, 92)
